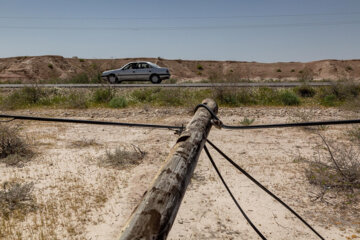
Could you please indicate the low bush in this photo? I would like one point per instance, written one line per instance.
(339, 170)
(12, 144)
(305, 91)
(16, 199)
(329, 100)
(232, 98)
(23, 98)
(122, 158)
(289, 98)
(103, 95)
(246, 121)
(118, 102)
(76, 101)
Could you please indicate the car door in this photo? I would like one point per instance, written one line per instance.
(128, 72)
(143, 71)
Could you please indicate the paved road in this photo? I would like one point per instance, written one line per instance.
(187, 85)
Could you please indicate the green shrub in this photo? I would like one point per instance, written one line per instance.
(24, 97)
(246, 121)
(329, 100)
(103, 95)
(79, 78)
(81, 60)
(278, 70)
(349, 68)
(118, 102)
(77, 101)
(50, 66)
(292, 70)
(267, 96)
(199, 67)
(289, 98)
(233, 98)
(305, 91)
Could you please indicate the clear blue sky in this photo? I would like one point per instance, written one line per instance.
(245, 30)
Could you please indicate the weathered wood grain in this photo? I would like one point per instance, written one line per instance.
(155, 214)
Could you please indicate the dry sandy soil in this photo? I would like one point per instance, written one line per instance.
(32, 69)
(78, 199)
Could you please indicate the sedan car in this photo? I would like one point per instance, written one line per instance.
(137, 71)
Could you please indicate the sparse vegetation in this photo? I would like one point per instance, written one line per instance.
(14, 150)
(50, 66)
(122, 158)
(83, 143)
(306, 75)
(338, 170)
(23, 98)
(199, 67)
(292, 70)
(81, 60)
(289, 98)
(118, 102)
(349, 68)
(246, 121)
(16, 200)
(103, 95)
(336, 95)
(278, 70)
(355, 134)
(77, 101)
(305, 91)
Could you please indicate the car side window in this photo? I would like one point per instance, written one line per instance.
(127, 67)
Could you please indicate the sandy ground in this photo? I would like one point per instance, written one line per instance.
(78, 199)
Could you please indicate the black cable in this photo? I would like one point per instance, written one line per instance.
(232, 196)
(91, 122)
(301, 124)
(280, 125)
(264, 188)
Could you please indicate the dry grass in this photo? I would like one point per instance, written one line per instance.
(84, 143)
(16, 199)
(14, 151)
(122, 157)
(338, 169)
(355, 134)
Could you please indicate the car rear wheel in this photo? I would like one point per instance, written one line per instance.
(112, 79)
(155, 79)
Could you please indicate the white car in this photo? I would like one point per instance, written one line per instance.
(137, 71)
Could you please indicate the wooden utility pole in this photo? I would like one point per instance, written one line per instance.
(155, 214)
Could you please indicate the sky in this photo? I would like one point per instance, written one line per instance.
(242, 30)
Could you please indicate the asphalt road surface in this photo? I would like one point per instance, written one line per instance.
(165, 85)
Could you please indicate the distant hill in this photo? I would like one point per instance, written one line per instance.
(33, 69)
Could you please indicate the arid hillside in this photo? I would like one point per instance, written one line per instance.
(39, 68)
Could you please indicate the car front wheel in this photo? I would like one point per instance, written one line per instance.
(112, 79)
(155, 79)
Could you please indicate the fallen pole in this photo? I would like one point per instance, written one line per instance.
(155, 214)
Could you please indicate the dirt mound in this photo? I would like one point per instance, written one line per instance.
(38, 68)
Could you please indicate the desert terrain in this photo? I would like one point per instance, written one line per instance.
(76, 197)
(32, 69)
